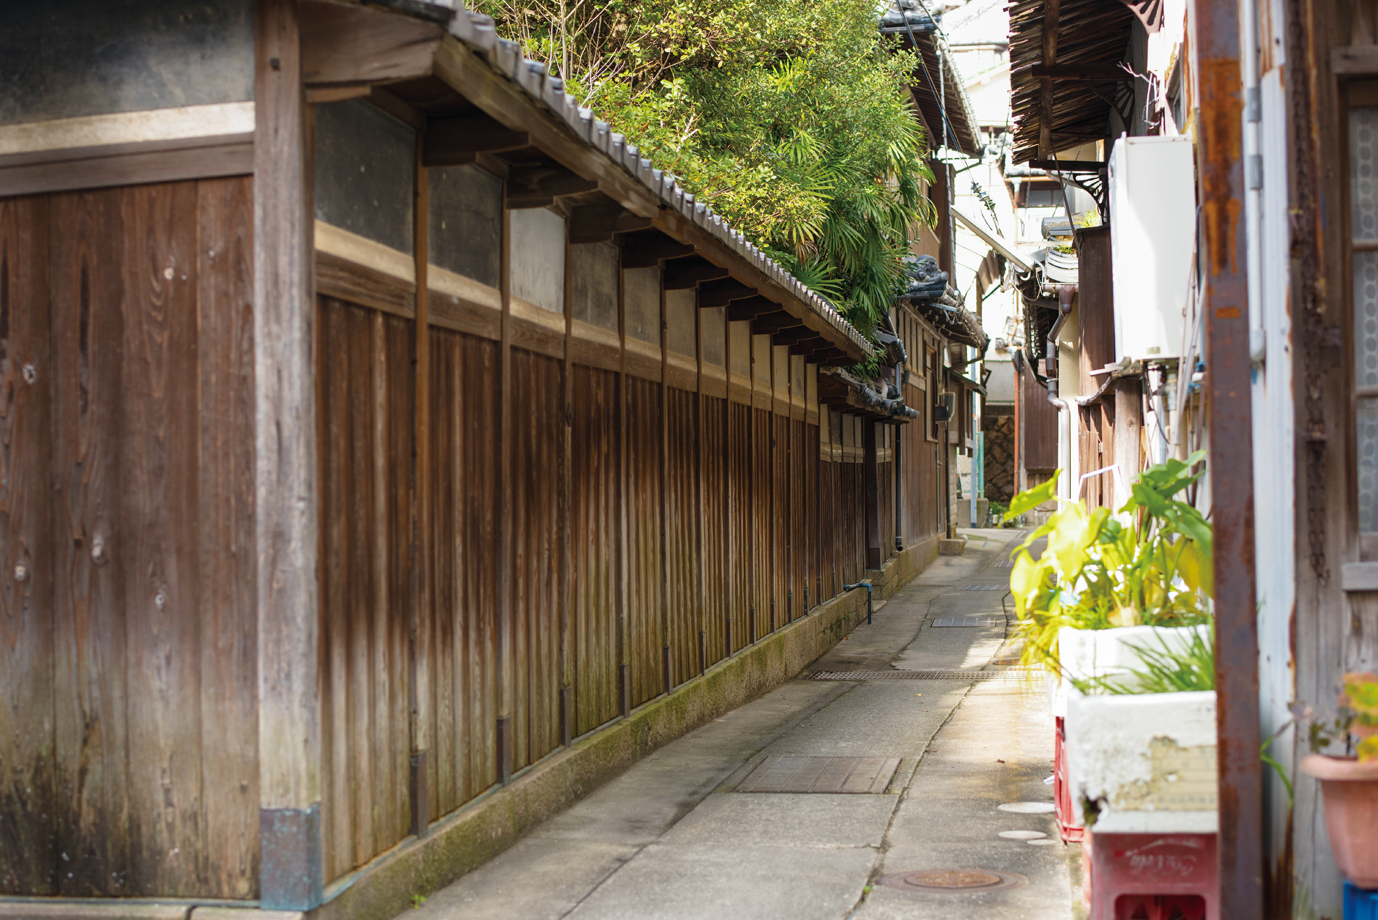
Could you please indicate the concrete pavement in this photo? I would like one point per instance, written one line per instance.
(672, 838)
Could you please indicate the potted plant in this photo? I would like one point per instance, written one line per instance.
(1149, 565)
(1108, 593)
(1349, 783)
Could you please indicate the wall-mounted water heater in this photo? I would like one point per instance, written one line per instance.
(1152, 230)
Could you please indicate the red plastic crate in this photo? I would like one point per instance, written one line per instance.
(1151, 877)
(1062, 790)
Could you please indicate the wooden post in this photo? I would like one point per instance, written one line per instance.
(870, 476)
(285, 470)
(505, 664)
(566, 511)
(624, 676)
(700, 513)
(666, 669)
(421, 612)
(727, 489)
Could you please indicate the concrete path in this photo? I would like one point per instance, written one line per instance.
(672, 838)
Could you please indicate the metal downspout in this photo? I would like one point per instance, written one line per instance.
(1065, 293)
(1224, 262)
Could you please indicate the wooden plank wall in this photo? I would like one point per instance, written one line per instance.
(128, 679)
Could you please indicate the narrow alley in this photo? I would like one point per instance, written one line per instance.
(693, 831)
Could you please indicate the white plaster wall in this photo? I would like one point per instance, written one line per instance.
(538, 258)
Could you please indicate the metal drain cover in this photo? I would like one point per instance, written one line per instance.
(967, 621)
(954, 881)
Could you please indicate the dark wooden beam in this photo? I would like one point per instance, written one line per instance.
(539, 186)
(344, 44)
(776, 322)
(750, 308)
(721, 293)
(682, 274)
(1083, 73)
(598, 223)
(647, 248)
(458, 140)
(1068, 165)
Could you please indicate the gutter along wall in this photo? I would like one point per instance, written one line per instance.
(452, 435)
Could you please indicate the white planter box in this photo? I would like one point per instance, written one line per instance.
(1147, 760)
(1085, 653)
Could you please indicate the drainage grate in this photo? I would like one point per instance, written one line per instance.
(1000, 587)
(785, 773)
(892, 674)
(966, 622)
(954, 881)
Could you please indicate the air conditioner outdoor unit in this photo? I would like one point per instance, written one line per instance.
(1152, 230)
(945, 408)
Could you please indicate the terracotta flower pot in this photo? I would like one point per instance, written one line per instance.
(1350, 790)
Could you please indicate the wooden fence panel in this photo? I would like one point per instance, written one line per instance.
(779, 520)
(28, 775)
(593, 569)
(739, 522)
(714, 500)
(153, 673)
(464, 414)
(762, 577)
(365, 456)
(684, 605)
(645, 624)
(537, 461)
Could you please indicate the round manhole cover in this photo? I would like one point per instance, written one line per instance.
(954, 881)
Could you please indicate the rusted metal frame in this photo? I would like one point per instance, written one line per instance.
(286, 474)
(666, 668)
(460, 68)
(624, 675)
(567, 665)
(505, 666)
(1229, 388)
(419, 687)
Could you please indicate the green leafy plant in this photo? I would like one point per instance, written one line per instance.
(1165, 669)
(1099, 572)
(1355, 722)
(791, 119)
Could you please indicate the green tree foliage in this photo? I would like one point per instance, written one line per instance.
(789, 118)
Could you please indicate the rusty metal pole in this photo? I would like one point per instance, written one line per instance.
(1223, 261)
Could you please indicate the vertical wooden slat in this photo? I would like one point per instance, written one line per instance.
(565, 595)
(421, 613)
(91, 687)
(624, 677)
(29, 769)
(161, 601)
(501, 533)
(285, 467)
(228, 852)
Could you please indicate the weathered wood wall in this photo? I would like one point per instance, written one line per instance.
(128, 685)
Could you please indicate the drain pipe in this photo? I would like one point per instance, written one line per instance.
(867, 586)
(1065, 293)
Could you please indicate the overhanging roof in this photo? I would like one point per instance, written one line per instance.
(936, 82)
(1064, 72)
